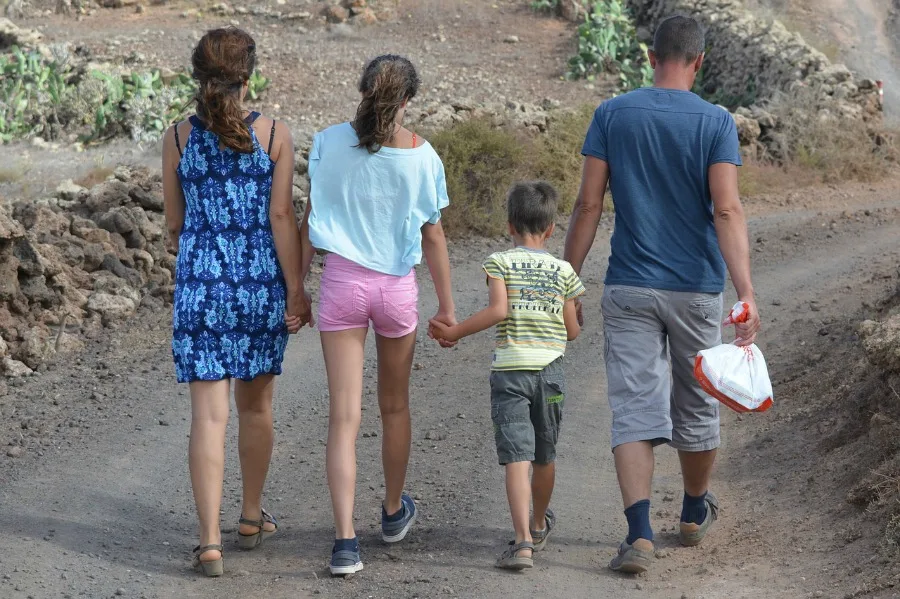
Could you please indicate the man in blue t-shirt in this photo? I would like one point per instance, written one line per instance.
(670, 160)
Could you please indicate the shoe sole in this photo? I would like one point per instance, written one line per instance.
(345, 570)
(402, 534)
(632, 567)
(519, 565)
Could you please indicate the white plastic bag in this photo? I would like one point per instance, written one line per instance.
(736, 376)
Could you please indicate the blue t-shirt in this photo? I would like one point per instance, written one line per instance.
(370, 208)
(659, 144)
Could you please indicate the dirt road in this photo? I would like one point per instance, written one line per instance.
(100, 503)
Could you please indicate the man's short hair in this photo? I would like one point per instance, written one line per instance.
(532, 207)
(678, 38)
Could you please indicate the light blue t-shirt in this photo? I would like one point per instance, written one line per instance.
(370, 208)
(659, 144)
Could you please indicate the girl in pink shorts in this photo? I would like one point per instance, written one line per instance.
(377, 191)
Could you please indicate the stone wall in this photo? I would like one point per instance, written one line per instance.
(752, 59)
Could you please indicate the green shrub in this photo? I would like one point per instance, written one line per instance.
(607, 43)
(482, 162)
(49, 98)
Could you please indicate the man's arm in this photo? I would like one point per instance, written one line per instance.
(734, 243)
(587, 212)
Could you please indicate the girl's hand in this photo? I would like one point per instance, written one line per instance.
(298, 311)
(444, 333)
(448, 320)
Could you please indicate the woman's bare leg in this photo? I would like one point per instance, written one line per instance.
(206, 456)
(343, 352)
(255, 437)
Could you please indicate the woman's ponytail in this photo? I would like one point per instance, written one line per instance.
(387, 82)
(223, 62)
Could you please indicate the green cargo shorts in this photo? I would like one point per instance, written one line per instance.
(526, 409)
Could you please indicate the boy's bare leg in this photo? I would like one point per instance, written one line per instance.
(518, 492)
(542, 480)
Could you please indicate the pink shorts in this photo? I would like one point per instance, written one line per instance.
(351, 295)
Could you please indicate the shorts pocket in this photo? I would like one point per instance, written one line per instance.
(708, 308)
(628, 300)
(400, 302)
(338, 300)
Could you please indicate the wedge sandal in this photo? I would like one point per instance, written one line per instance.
(211, 568)
(510, 559)
(248, 542)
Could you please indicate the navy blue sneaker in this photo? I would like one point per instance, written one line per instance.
(345, 560)
(394, 530)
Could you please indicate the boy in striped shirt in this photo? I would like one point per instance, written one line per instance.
(532, 302)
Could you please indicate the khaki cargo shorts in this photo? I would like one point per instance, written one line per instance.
(651, 339)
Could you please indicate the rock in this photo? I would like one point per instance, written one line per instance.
(9, 277)
(14, 368)
(15, 451)
(365, 16)
(4, 348)
(146, 199)
(748, 129)
(126, 223)
(882, 342)
(511, 39)
(107, 195)
(113, 265)
(68, 190)
(34, 348)
(571, 10)
(111, 307)
(336, 14)
(30, 262)
(10, 229)
(12, 35)
(35, 289)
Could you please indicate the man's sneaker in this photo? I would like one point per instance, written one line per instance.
(345, 561)
(691, 534)
(540, 536)
(633, 559)
(394, 531)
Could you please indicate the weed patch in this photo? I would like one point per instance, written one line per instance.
(482, 162)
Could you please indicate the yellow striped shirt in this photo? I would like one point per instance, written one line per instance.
(533, 334)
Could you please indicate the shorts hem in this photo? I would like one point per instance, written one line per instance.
(337, 328)
(512, 459)
(395, 335)
(545, 461)
(654, 437)
(697, 447)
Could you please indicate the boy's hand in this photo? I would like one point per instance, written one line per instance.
(442, 332)
(448, 320)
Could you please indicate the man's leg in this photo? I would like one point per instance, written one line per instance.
(694, 325)
(638, 377)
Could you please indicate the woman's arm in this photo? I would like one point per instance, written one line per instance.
(308, 250)
(284, 227)
(485, 319)
(173, 196)
(434, 246)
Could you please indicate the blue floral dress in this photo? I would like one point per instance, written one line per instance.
(228, 319)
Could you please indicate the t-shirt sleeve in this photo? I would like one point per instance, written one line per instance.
(314, 155)
(595, 140)
(574, 286)
(494, 267)
(727, 148)
(440, 199)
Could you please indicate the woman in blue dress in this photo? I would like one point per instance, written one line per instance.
(227, 179)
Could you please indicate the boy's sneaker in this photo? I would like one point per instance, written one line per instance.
(691, 534)
(540, 536)
(345, 561)
(394, 531)
(633, 559)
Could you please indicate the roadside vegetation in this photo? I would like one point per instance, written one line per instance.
(56, 100)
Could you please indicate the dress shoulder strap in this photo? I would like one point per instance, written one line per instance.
(177, 140)
(271, 137)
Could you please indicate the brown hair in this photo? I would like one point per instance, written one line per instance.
(386, 83)
(532, 207)
(223, 61)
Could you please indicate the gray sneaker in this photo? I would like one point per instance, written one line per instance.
(540, 536)
(394, 531)
(691, 534)
(633, 559)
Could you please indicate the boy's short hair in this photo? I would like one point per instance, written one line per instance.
(532, 206)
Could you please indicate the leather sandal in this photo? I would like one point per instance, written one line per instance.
(211, 568)
(252, 541)
(510, 559)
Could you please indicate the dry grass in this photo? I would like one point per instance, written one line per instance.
(11, 174)
(96, 175)
(482, 162)
(819, 141)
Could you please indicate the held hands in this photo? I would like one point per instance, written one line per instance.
(442, 327)
(748, 325)
(298, 312)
